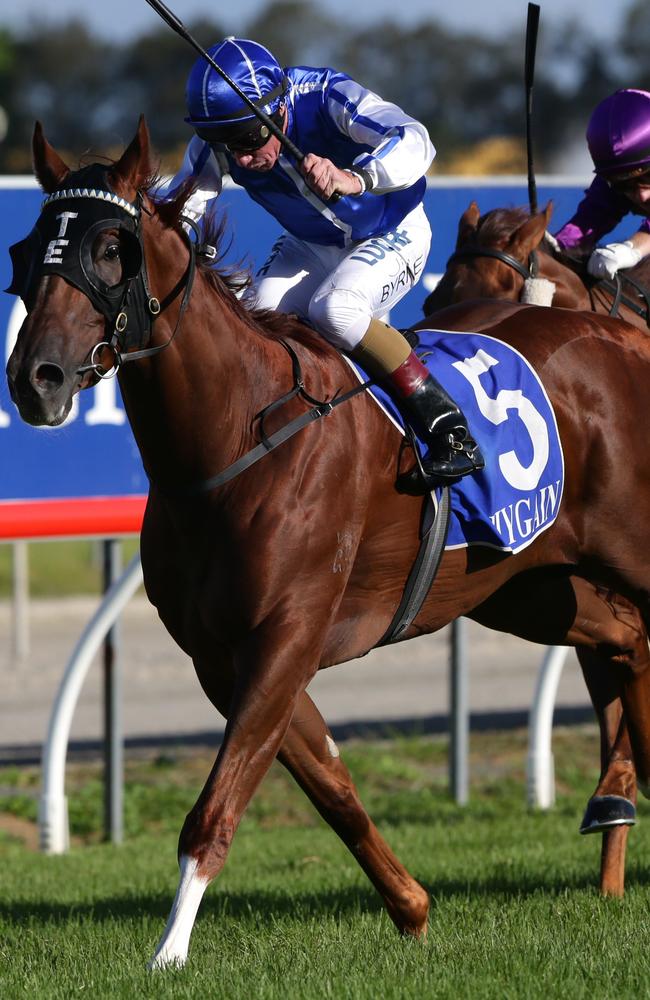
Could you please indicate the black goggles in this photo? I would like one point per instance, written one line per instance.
(241, 140)
(629, 181)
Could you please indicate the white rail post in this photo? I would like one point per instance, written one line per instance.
(540, 772)
(459, 714)
(53, 805)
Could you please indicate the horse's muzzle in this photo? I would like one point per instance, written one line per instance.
(42, 394)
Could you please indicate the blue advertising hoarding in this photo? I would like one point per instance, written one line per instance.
(86, 476)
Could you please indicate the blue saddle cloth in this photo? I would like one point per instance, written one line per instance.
(518, 494)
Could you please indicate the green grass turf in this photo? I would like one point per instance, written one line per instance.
(60, 568)
(515, 911)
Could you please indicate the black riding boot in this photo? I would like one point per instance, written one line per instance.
(436, 419)
(451, 450)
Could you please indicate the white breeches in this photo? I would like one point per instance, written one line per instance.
(340, 289)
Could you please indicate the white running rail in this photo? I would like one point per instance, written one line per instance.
(540, 771)
(53, 805)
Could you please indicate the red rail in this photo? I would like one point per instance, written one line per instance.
(102, 516)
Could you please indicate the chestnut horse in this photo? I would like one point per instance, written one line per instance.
(496, 252)
(300, 563)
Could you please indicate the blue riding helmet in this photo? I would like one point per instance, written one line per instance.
(212, 103)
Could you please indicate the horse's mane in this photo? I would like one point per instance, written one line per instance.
(232, 282)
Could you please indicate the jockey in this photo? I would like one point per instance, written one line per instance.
(340, 265)
(618, 136)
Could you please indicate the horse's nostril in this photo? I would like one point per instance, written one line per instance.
(48, 378)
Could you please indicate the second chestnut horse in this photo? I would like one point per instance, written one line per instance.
(496, 252)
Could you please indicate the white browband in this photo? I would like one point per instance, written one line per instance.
(93, 193)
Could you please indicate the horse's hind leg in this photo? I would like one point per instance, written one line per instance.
(612, 645)
(611, 809)
(310, 754)
(614, 663)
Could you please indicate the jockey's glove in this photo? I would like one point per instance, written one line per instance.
(606, 261)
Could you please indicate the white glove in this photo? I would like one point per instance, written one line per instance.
(606, 261)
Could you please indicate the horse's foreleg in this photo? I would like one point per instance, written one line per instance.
(267, 685)
(312, 757)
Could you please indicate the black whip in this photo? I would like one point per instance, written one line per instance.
(529, 73)
(177, 25)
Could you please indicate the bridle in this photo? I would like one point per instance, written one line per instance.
(155, 308)
(129, 308)
(136, 292)
(529, 270)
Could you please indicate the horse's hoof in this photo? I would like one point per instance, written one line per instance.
(604, 812)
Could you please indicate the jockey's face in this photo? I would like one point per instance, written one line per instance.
(263, 158)
(640, 194)
(635, 186)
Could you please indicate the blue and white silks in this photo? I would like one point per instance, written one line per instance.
(331, 115)
(518, 494)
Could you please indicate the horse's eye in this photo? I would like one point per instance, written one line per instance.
(112, 251)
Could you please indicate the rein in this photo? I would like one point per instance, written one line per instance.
(320, 408)
(615, 288)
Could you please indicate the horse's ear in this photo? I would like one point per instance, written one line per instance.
(49, 168)
(548, 212)
(531, 233)
(134, 166)
(467, 224)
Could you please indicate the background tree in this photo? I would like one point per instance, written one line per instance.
(63, 77)
(467, 88)
(298, 33)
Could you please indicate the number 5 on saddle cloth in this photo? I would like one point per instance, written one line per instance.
(518, 493)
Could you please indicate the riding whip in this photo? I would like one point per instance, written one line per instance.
(529, 72)
(177, 25)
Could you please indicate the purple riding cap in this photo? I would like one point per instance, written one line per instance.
(618, 134)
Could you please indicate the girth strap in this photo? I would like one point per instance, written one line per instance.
(433, 535)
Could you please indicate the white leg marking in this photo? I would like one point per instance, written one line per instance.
(332, 747)
(173, 945)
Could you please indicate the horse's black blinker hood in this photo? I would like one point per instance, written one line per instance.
(61, 243)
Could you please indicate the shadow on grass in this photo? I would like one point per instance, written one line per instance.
(261, 905)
